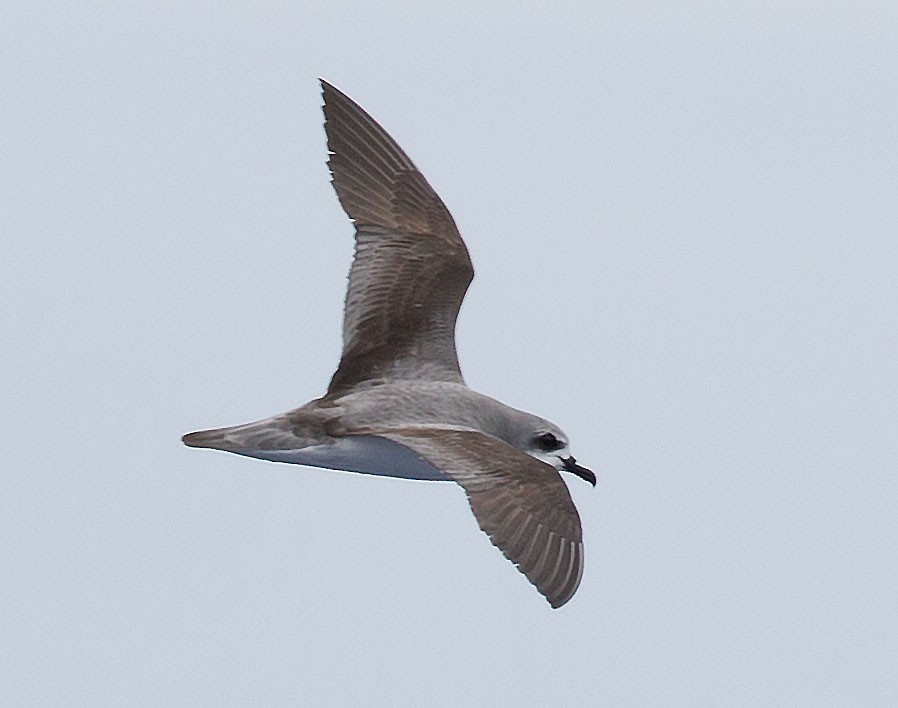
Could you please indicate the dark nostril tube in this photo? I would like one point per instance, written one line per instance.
(570, 465)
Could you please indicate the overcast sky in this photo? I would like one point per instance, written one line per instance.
(684, 224)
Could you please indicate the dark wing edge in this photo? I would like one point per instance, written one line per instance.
(364, 160)
(522, 504)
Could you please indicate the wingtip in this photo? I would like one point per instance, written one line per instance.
(327, 88)
(558, 601)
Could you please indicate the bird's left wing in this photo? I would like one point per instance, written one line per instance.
(522, 504)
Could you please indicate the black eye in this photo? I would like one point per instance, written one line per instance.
(548, 442)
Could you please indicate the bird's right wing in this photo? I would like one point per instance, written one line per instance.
(411, 268)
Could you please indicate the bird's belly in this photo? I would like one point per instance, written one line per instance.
(366, 454)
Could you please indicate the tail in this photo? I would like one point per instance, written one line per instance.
(271, 434)
(215, 439)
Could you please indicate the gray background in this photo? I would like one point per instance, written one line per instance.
(683, 219)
